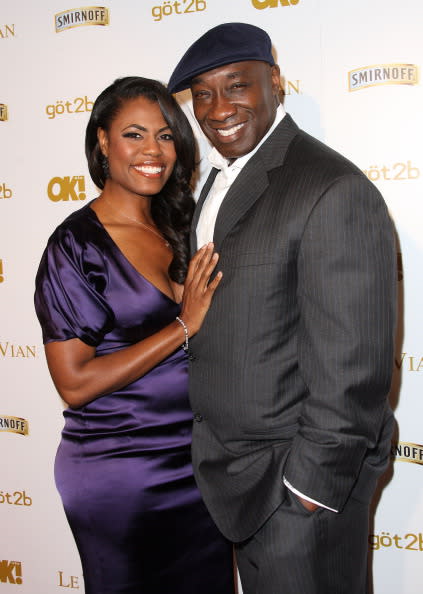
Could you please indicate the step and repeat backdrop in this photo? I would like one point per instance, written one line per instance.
(351, 77)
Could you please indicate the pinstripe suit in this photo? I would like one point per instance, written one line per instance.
(291, 369)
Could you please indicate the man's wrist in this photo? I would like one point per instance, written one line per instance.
(304, 497)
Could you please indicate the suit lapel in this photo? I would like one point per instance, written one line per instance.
(243, 193)
(253, 179)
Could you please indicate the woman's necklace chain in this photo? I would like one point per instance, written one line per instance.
(148, 227)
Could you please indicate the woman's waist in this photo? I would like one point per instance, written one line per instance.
(129, 433)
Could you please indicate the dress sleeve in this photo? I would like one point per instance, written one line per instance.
(70, 288)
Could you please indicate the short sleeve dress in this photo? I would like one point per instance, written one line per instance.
(123, 466)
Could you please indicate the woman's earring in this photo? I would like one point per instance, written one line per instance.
(105, 165)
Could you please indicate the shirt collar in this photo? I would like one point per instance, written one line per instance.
(217, 160)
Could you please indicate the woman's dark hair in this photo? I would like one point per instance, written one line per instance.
(173, 207)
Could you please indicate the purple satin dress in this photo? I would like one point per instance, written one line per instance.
(123, 465)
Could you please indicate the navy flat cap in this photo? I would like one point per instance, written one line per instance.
(224, 44)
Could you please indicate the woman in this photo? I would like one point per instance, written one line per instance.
(114, 314)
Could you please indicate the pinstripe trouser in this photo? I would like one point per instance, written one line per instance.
(302, 552)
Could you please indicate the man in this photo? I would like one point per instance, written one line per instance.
(291, 370)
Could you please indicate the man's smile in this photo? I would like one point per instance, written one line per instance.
(229, 131)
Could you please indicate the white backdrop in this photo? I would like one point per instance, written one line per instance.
(351, 75)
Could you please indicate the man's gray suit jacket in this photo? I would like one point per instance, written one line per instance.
(290, 372)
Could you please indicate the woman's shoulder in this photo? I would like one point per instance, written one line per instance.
(78, 219)
(78, 247)
(81, 226)
(80, 239)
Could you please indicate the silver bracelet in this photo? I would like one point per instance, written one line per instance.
(185, 346)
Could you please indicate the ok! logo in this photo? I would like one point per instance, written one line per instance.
(10, 572)
(66, 188)
(262, 4)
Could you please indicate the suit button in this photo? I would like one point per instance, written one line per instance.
(198, 418)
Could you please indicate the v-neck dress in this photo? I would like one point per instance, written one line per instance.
(123, 466)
